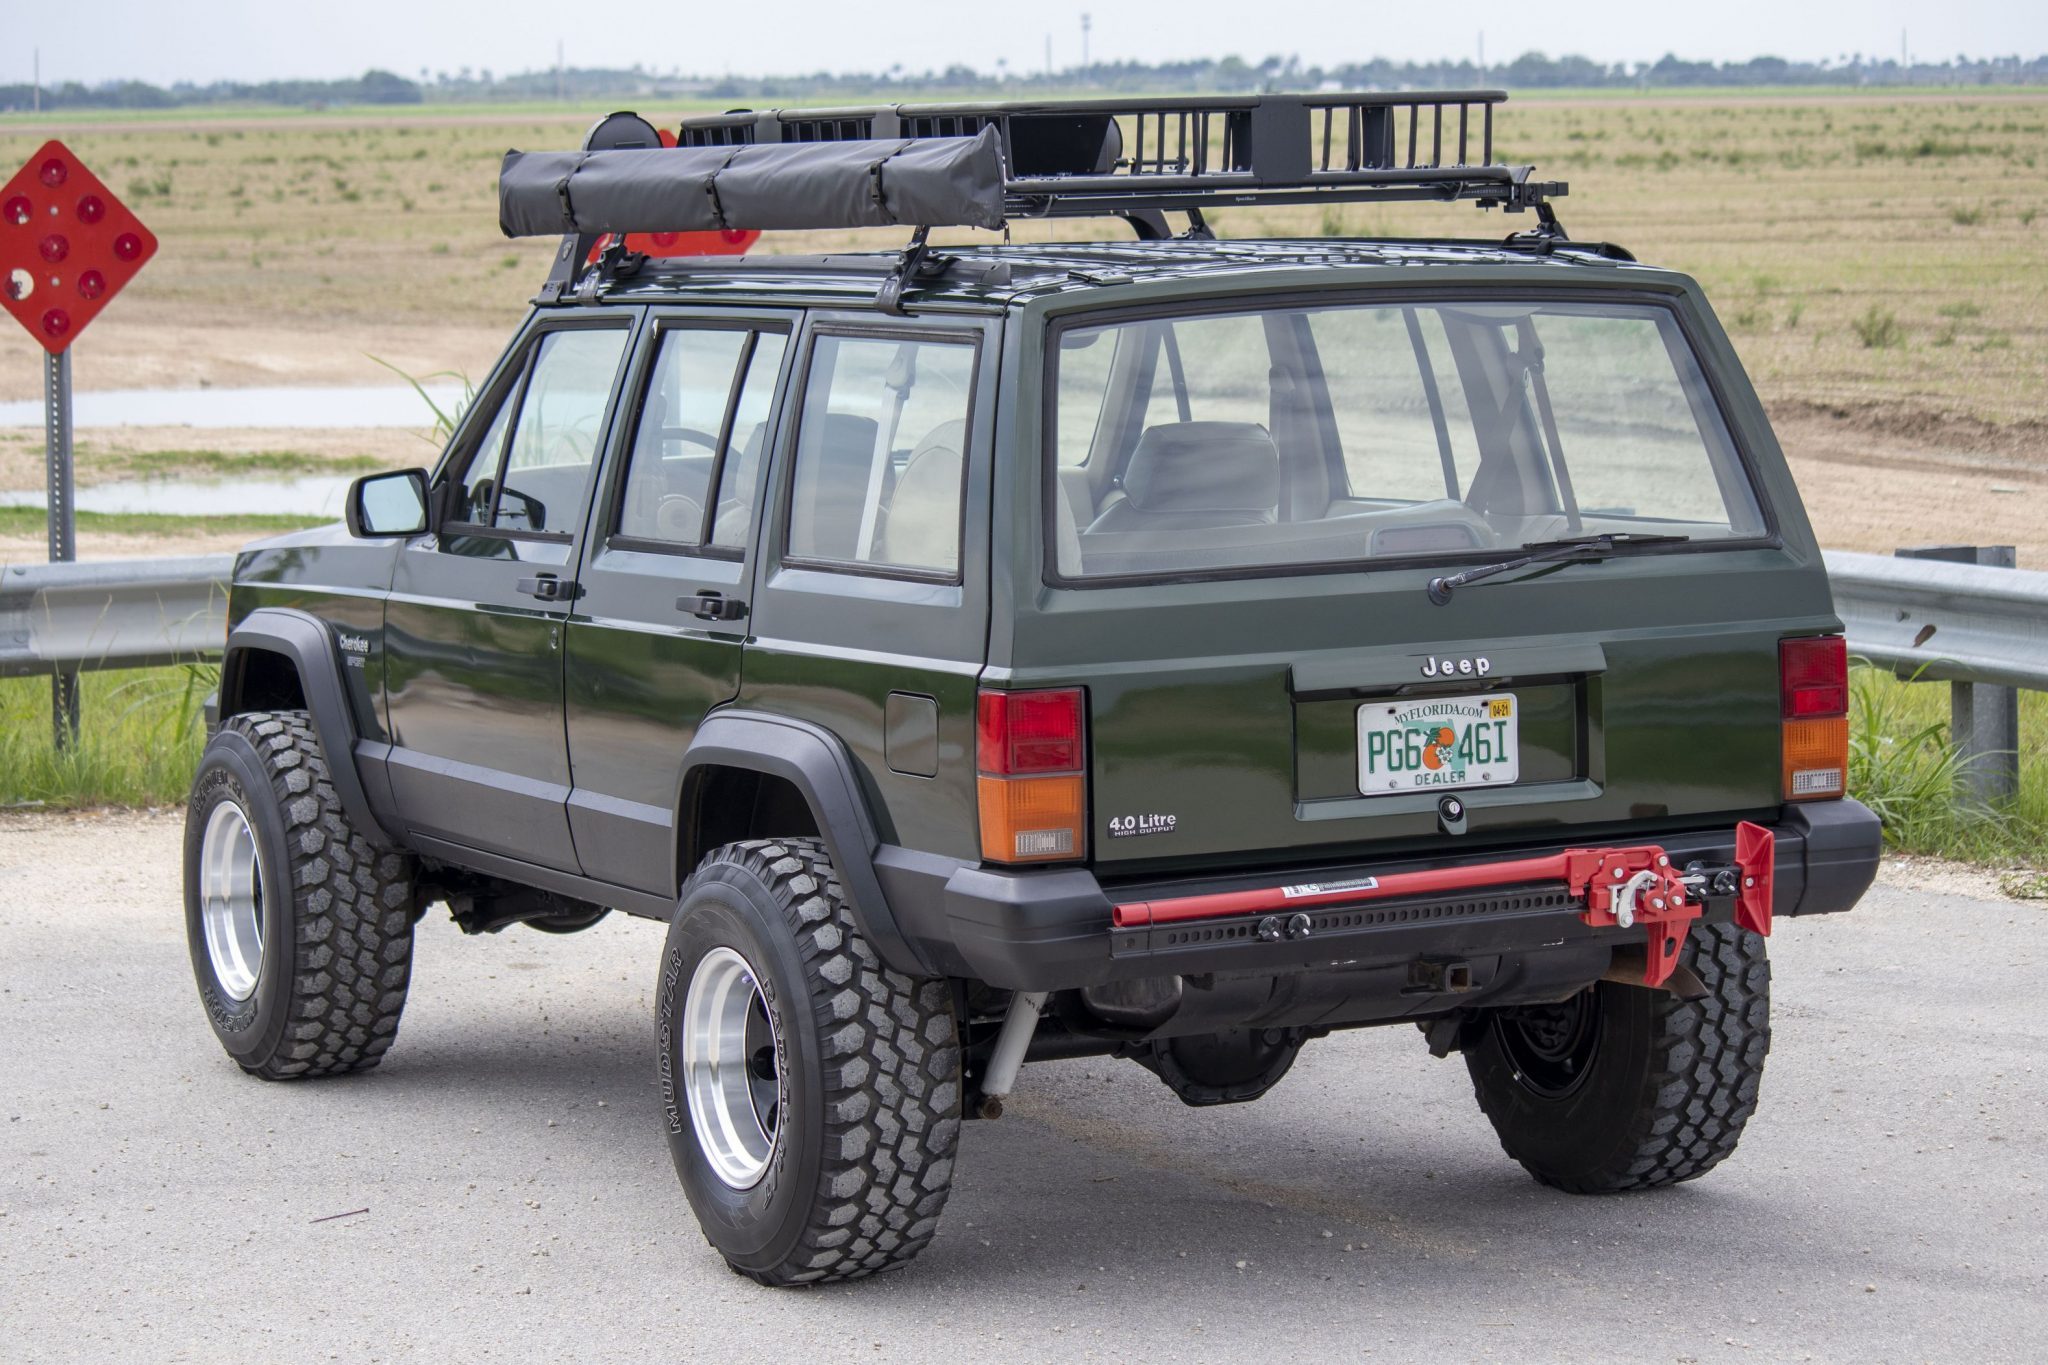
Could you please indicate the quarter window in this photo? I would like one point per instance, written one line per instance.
(880, 454)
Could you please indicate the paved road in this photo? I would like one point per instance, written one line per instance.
(1887, 1204)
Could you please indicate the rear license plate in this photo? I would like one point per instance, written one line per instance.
(1438, 744)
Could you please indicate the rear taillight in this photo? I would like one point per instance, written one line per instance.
(1031, 751)
(1813, 689)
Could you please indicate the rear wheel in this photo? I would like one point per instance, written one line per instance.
(1623, 1088)
(300, 930)
(812, 1094)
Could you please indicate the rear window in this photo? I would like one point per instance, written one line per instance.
(1306, 437)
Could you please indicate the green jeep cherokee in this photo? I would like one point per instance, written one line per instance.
(1172, 649)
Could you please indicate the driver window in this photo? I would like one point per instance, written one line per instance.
(676, 445)
(555, 437)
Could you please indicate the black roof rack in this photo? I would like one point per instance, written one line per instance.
(1135, 157)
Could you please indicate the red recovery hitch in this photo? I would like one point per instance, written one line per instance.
(1620, 887)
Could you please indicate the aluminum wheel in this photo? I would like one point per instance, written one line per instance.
(231, 900)
(732, 1072)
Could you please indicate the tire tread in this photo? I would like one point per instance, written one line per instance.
(890, 1058)
(1706, 1063)
(352, 961)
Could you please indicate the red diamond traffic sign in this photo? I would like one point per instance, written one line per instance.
(67, 246)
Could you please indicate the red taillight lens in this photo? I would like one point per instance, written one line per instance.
(1813, 688)
(1031, 748)
(1813, 677)
(1029, 732)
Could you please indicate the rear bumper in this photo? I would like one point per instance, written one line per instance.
(1051, 929)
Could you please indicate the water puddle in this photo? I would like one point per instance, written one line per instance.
(311, 495)
(383, 406)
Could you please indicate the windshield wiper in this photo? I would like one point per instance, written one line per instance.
(1569, 549)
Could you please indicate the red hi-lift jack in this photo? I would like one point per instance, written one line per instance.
(1620, 888)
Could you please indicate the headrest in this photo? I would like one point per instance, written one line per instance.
(1204, 467)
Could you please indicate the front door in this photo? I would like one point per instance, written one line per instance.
(475, 620)
(655, 637)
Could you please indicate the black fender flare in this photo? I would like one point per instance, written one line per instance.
(814, 761)
(309, 644)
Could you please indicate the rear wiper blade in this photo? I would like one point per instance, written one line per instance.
(1565, 550)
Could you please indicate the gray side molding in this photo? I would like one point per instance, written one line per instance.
(813, 760)
(307, 642)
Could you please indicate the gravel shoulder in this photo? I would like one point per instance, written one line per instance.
(507, 1192)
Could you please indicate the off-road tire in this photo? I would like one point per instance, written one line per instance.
(869, 1074)
(1667, 1088)
(337, 949)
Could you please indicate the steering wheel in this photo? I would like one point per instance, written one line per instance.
(691, 434)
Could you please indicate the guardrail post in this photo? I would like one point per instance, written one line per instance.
(63, 527)
(1984, 718)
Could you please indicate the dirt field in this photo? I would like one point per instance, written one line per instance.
(1879, 261)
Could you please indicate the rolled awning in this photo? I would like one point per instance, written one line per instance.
(894, 182)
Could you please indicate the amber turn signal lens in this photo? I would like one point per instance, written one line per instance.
(1033, 819)
(1816, 758)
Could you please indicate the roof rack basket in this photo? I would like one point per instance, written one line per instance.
(983, 164)
(1135, 157)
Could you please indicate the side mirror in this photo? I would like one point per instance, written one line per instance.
(388, 505)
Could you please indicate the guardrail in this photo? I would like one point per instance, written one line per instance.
(1952, 622)
(1982, 629)
(121, 613)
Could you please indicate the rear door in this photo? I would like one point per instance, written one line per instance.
(664, 602)
(475, 619)
(871, 611)
(1260, 498)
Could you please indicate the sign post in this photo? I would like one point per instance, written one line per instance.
(67, 246)
(63, 524)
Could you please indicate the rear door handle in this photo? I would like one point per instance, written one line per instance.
(712, 606)
(548, 588)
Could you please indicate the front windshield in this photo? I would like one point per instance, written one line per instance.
(1317, 436)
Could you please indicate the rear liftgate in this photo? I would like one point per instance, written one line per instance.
(1618, 888)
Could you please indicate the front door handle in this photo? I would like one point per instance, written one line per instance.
(712, 606)
(548, 588)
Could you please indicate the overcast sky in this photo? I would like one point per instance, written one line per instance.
(172, 40)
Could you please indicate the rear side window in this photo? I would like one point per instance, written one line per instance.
(1311, 437)
(880, 454)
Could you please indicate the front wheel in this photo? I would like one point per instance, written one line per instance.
(811, 1094)
(300, 930)
(1624, 1088)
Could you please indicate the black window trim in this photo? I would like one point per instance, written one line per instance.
(661, 326)
(801, 388)
(458, 454)
(1668, 301)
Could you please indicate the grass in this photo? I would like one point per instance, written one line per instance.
(140, 733)
(1902, 765)
(1878, 329)
(146, 464)
(33, 521)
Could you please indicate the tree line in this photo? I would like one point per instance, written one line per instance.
(1227, 75)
